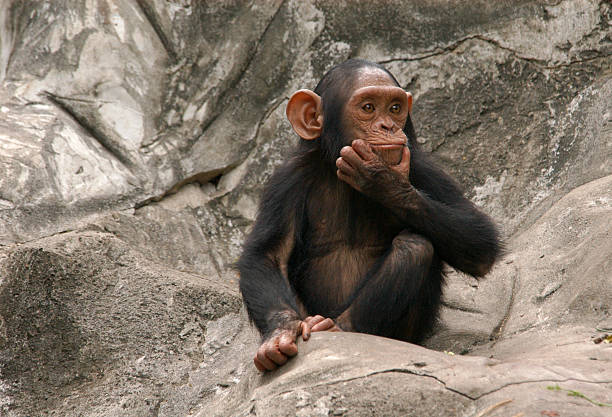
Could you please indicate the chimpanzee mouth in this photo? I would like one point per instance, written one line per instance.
(390, 153)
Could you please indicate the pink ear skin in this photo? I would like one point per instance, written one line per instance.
(409, 101)
(305, 114)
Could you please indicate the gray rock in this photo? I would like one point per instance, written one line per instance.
(362, 375)
(135, 139)
(90, 327)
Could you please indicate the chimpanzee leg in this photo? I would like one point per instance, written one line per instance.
(421, 315)
(398, 292)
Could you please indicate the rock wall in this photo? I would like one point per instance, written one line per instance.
(135, 137)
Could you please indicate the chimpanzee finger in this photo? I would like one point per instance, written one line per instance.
(323, 325)
(349, 180)
(351, 157)
(363, 149)
(258, 365)
(404, 165)
(263, 359)
(275, 355)
(308, 323)
(344, 166)
(312, 320)
(286, 345)
(305, 330)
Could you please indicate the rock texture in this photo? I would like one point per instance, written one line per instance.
(91, 328)
(135, 137)
(361, 375)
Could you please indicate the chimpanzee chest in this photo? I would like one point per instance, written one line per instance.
(333, 274)
(339, 252)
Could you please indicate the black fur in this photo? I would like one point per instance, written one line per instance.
(399, 296)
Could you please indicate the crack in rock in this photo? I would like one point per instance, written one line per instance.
(453, 46)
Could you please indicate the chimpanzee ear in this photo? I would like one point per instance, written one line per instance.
(305, 114)
(409, 102)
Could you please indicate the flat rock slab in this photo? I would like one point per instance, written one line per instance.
(354, 374)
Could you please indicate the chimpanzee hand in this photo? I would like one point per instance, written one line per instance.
(366, 172)
(277, 348)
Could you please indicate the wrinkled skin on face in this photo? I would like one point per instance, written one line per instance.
(376, 115)
(376, 157)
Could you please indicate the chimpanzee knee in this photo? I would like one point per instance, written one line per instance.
(415, 249)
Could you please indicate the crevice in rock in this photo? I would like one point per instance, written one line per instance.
(431, 53)
(6, 204)
(229, 186)
(226, 94)
(539, 381)
(408, 371)
(499, 329)
(535, 61)
(92, 130)
(215, 176)
(61, 232)
(547, 292)
(456, 306)
(578, 61)
(453, 46)
(7, 40)
(259, 41)
(201, 178)
(153, 19)
(271, 109)
(215, 181)
(384, 371)
(513, 52)
(443, 383)
(218, 267)
(247, 63)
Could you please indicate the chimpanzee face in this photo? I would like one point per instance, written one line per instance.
(376, 112)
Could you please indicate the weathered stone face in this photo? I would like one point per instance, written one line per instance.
(135, 138)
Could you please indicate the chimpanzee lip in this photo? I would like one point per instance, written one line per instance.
(391, 153)
(388, 145)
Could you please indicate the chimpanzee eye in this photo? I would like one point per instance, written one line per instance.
(395, 108)
(368, 107)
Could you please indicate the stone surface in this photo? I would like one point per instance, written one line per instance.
(558, 272)
(361, 375)
(136, 136)
(90, 327)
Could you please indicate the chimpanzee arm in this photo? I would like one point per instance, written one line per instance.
(462, 235)
(269, 299)
(428, 202)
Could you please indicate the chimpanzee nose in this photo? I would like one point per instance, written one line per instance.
(386, 125)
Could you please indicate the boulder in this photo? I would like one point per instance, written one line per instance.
(88, 326)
